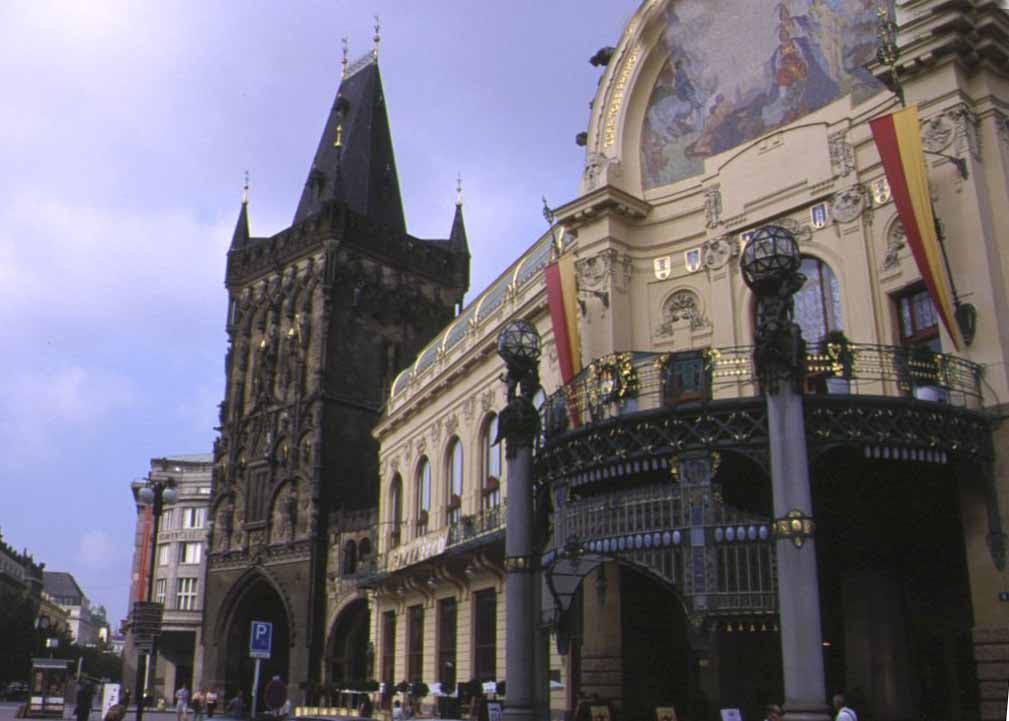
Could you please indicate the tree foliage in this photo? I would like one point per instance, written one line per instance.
(18, 610)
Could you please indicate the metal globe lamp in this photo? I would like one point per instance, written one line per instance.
(518, 344)
(771, 257)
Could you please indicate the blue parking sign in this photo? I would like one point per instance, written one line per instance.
(260, 639)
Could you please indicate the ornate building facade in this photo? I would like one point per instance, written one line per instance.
(661, 539)
(322, 316)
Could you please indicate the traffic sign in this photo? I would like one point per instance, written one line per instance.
(260, 639)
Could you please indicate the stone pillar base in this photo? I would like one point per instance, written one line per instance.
(991, 653)
(801, 711)
(519, 713)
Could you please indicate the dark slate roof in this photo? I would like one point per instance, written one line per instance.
(361, 173)
(457, 242)
(240, 238)
(61, 585)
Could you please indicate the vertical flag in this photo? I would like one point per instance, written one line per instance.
(898, 139)
(561, 299)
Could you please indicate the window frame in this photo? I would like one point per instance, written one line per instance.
(184, 557)
(160, 590)
(491, 455)
(448, 634)
(920, 336)
(186, 590)
(485, 634)
(415, 643)
(455, 472)
(422, 499)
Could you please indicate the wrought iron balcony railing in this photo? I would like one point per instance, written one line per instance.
(479, 524)
(630, 382)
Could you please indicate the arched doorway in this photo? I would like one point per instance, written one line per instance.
(347, 657)
(628, 642)
(257, 601)
(894, 592)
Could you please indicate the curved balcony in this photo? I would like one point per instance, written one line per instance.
(634, 411)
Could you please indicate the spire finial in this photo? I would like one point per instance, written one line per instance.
(378, 36)
(458, 190)
(245, 189)
(346, 51)
(548, 214)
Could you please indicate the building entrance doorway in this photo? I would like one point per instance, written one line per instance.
(894, 590)
(258, 602)
(347, 656)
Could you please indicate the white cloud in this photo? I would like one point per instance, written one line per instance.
(97, 548)
(38, 407)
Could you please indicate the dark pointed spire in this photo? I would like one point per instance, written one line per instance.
(457, 241)
(354, 162)
(240, 238)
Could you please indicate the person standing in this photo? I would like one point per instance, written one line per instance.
(182, 703)
(85, 695)
(197, 702)
(843, 712)
(211, 699)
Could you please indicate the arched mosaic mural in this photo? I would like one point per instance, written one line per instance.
(737, 70)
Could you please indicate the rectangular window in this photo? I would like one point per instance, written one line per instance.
(190, 552)
(194, 517)
(919, 322)
(447, 618)
(389, 647)
(163, 551)
(185, 598)
(160, 588)
(167, 520)
(485, 635)
(415, 643)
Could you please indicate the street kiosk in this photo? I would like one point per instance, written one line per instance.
(47, 687)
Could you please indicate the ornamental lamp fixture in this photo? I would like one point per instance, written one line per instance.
(770, 258)
(518, 344)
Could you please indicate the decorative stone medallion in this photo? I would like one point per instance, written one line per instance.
(847, 204)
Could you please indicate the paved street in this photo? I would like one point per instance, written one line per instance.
(8, 711)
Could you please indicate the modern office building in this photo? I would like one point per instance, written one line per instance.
(179, 572)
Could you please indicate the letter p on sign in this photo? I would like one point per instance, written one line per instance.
(260, 639)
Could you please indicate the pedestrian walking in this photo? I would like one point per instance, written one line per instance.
(117, 711)
(843, 712)
(773, 712)
(211, 699)
(197, 704)
(85, 695)
(182, 703)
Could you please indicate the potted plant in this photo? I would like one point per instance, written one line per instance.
(836, 346)
(448, 702)
(923, 370)
(418, 691)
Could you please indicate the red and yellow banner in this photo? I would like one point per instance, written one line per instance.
(562, 300)
(898, 139)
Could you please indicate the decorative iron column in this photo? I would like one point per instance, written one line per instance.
(519, 347)
(770, 266)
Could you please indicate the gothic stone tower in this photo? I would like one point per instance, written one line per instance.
(321, 317)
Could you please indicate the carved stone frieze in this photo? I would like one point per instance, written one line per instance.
(712, 206)
(896, 240)
(847, 204)
(452, 424)
(802, 232)
(487, 400)
(937, 133)
(842, 155)
(1002, 127)
(718, 251)
(968, 139)
(681, 306)
(468, 408)
(435, 432)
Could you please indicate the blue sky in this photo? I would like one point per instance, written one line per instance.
(124, 136)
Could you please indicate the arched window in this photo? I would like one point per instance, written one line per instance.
(491, 465)
(423, 494)
(396, 511)
(818, 302)
(454, 505)
(363, 549)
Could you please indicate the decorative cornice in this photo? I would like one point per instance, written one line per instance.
(600, 203)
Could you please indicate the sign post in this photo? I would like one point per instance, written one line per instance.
(260, 642)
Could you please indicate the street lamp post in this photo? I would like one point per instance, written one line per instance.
(770, 265)
(519, 347)
(156, 493)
